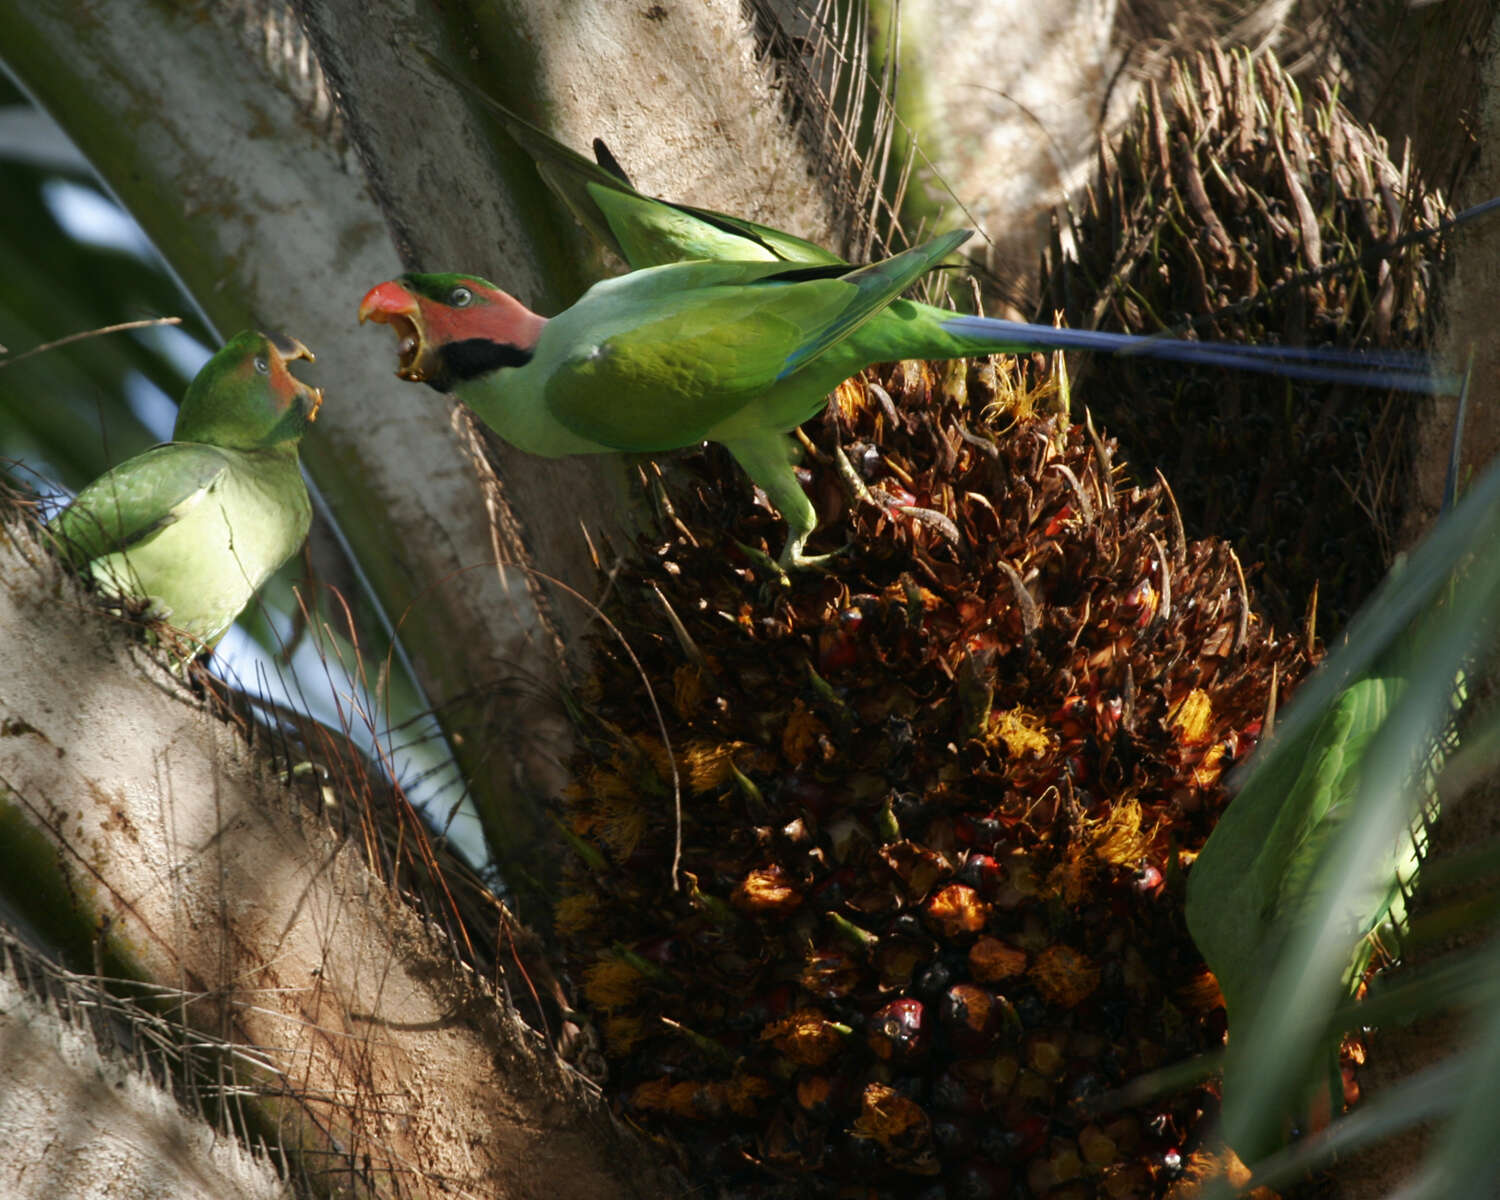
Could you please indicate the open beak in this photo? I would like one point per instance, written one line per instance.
(391, 304)
(288, 350)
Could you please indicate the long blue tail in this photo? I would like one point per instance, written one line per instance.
(1391, 370)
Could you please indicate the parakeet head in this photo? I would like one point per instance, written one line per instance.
(245, 398)
(452, 328)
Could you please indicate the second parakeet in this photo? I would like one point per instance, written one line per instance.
(193, 527)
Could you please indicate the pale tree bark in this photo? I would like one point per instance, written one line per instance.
(212, 124)
(110, 1130)
(153, 831)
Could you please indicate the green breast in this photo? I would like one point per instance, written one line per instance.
(199, 571)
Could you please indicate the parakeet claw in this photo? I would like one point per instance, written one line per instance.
(792, 558)
(809, 562)
(765, 562)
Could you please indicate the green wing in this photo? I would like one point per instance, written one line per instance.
(671, 377)
(878, 284)
(136, 500)
(734, 232)
(644, 231)
(670, 355)
(647, 232)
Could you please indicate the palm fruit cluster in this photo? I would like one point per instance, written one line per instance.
(935, 809)
(1258, 218)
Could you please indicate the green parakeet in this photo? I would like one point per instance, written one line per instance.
(194, 526)
(735, 352)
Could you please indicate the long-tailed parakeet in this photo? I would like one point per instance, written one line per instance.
(192, 527)
(735, 352)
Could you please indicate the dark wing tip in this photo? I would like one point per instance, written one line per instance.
(605, 159)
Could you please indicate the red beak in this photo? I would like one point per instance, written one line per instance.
(387, 300)
(391, 304)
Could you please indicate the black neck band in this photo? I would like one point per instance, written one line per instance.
(473, 357)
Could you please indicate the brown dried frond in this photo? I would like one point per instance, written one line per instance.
(1227, 208)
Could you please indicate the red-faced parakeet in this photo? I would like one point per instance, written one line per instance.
(731, 351)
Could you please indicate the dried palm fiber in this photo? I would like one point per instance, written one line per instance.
(1226, 188)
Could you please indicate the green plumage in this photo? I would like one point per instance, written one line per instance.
(736, 352)
(644, 231)
(703, 350)
(726, 331)
(193, 527)
(733, 352)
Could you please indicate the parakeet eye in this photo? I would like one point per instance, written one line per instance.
(262, 364)
(460, 297)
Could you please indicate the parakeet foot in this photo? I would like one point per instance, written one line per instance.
(811, 562)
(854, 487)
(792, 559)
(765, 562)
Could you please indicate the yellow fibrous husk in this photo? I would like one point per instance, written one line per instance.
(1022, 732)
(611, 983)
(1193, 718)
(1118, 838)
(709, 765)
(992, 960)
(622, 1032)
(806, 1037)
(576, 912)
(766, 891)
(689, 687)
(620, 823)
(799, 740)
